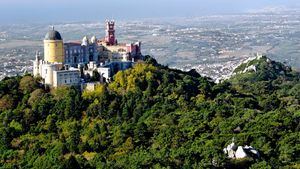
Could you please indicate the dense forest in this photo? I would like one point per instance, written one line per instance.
(152, 116)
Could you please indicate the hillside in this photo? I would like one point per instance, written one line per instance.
(151, 116)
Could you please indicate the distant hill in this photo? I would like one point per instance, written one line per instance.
(264, 69)
(152, 116)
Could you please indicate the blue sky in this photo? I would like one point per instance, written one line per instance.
(21, 11)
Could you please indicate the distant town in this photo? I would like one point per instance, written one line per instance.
(213, 45)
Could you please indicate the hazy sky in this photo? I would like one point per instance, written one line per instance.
(19, 11)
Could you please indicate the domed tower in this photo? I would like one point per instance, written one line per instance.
(54, 47)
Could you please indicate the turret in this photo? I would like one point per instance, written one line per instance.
(94, 40)
(37, 56)
(36, 64)
(85, 41)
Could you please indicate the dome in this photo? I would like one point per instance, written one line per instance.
(53, 35)
(85, 41)
(94, 39)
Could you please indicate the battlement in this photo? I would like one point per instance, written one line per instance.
(110, 23)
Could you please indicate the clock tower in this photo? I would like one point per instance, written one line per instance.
(110, 38)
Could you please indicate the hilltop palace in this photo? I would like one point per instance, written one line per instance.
(74, 63)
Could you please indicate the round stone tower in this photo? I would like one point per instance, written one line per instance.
(54, 47)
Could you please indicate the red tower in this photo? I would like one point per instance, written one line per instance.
(110, 38)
